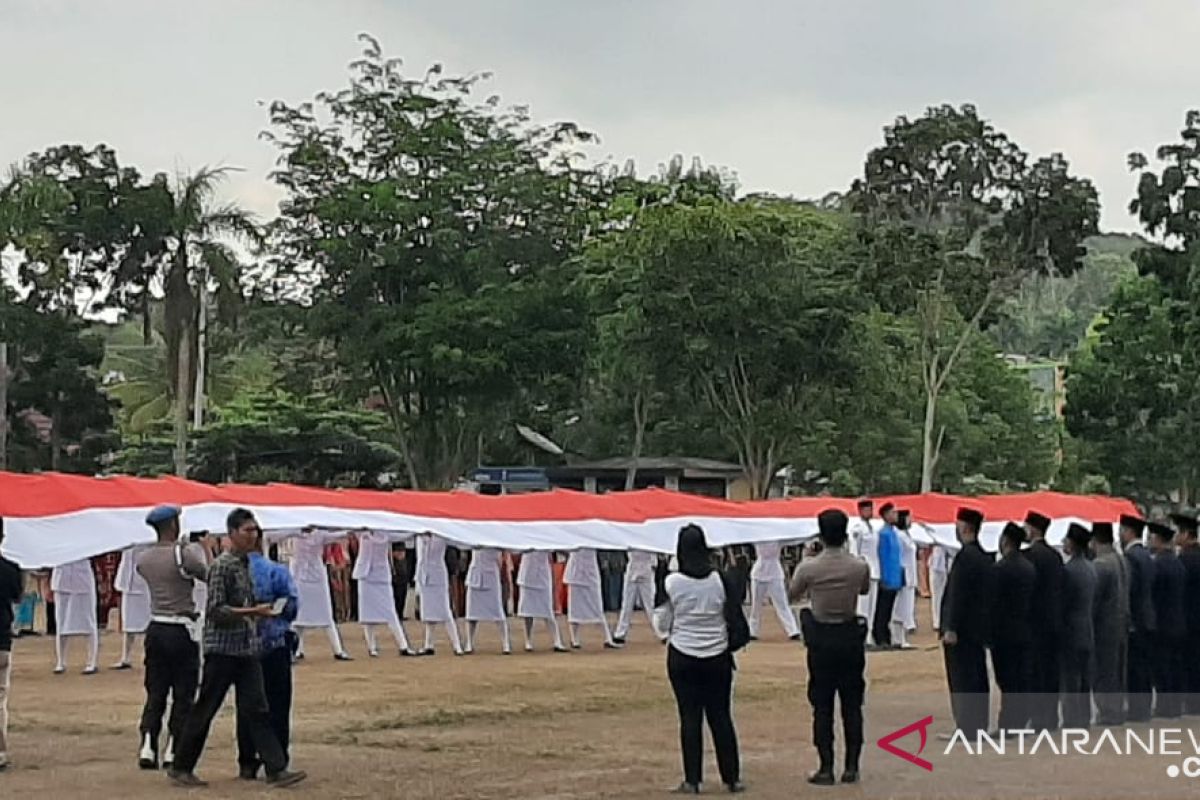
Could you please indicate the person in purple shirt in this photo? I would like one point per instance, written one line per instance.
(272, 582)
(891, 578)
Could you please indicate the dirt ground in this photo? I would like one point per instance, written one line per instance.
(589, 724)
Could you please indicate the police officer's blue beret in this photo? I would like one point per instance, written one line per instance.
(161, 514)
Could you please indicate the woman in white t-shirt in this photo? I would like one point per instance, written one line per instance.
(699, 664)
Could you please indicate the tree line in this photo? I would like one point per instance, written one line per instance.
(443, 267)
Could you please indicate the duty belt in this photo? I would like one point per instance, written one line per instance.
(164, 619)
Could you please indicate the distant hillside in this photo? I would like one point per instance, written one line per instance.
(1049, 316)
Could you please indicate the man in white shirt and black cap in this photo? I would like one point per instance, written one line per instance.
(170, 569)
(864, 543)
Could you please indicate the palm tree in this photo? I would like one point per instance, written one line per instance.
(198, 255)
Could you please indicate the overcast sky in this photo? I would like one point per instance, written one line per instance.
(790, 94)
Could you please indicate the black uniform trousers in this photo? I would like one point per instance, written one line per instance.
(172, 670)
(244, 673)
(881, 625)
(836, 667)
(1169, 674)
(400, 591)
(277, 683)
(704, 688)
(970, 694)
(1191, 660)
(1047, 674)
(1013, 666)
(1139, 682)
(1076, 688)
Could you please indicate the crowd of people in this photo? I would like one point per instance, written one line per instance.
(1105, 630)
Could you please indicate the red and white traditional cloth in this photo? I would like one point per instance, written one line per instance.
(53, 519)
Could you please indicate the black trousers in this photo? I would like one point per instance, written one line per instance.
(400, 591)
(1191, 660)
(1047, 674)
(1169, 671)
(1013, 665)
(881, 625)
(704, 688)
(1139, 682)
(836, 668)
(244, 673)
(970, 694)
(277, 682)
(1076, 688)
(172, 670)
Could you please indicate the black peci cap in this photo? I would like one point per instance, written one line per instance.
(1079, 535)
(1013, 533)
(1038, 521)
(1135, 524)
(971, 517)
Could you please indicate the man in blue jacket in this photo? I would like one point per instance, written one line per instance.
(891, 578)
(272, 582)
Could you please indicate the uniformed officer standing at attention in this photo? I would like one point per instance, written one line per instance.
(835, 636)
(1047, 623)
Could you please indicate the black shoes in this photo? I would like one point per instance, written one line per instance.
(619, 639)
(342, 657)
(281, 780)
(248, 773)
(821, 778)
(737, 787)
(187, 780)
(850, 776)
(686, 788)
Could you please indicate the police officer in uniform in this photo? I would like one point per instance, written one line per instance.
(835, 636)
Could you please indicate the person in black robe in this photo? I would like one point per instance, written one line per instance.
(1079, 638)
(1189, 555)
(1139, 682)
(1167, 590)
(1012, 632)
(966, 628)
(1047, 622)
(1110, 623)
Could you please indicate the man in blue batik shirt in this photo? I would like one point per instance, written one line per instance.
(272, 582)
(891, 578)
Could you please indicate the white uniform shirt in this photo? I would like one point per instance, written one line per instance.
(484, 571)
(73, 578)
(582, 569)
(908, 557)
(940, 559)
(641, 566)
(431, 561)
(866, 540)
(374, 558)
(767, 566)
(534, 572)
(128, 580)
(693, 618)
(308, 557)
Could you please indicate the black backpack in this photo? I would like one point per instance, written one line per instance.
(735, 615)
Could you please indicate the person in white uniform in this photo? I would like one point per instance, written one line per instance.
(376, 601)
(585, 605)
(639, 585)
(433, 588)
(312, 584)
(485, 597)
(904, 612)
(74, 587)
(767, 582)
(939, 567)
(135, 604)
(535, 579)
(864, 543)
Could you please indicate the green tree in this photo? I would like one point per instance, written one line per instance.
(744, 306)
(433, 229)
(956, 216)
